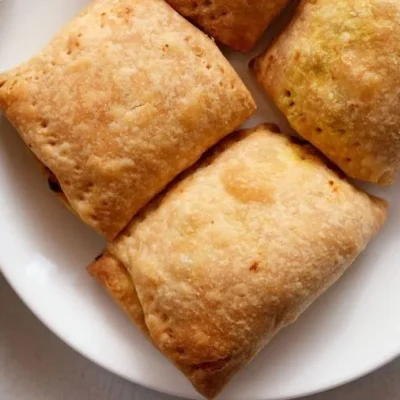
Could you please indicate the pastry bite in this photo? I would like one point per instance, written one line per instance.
(123, 99)
(334, 73)
(235, 250)
(236, 23)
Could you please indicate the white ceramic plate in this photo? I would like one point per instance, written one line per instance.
(350, 331)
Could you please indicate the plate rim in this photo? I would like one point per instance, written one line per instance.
(40, 314)
(69, 342)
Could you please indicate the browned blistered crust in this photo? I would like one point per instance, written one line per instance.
(236, 250)
(334, 72)
(236, 23)
(123, 99)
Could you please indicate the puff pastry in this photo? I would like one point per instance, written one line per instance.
(236, 250)
(122, 100)
(334, 72)
(236, 23)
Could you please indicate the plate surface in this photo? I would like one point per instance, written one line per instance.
(351, 330)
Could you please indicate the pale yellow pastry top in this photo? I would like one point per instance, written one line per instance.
(335, 74)
(236, 23)
(236, 250)
(123, 99)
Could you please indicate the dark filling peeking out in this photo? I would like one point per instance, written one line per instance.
(54, 185)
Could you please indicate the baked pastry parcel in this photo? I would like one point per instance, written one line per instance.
(334, 73)
(236, 250)
(236, 23)
(123, 99)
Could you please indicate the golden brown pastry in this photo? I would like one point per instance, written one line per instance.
(236, 250)
(123, 99)
(334, 72)
(116, 279)
(236, 23)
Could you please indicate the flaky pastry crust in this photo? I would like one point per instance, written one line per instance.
(124, 98)
(334, 72)
(238, 248)
(236, 23)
